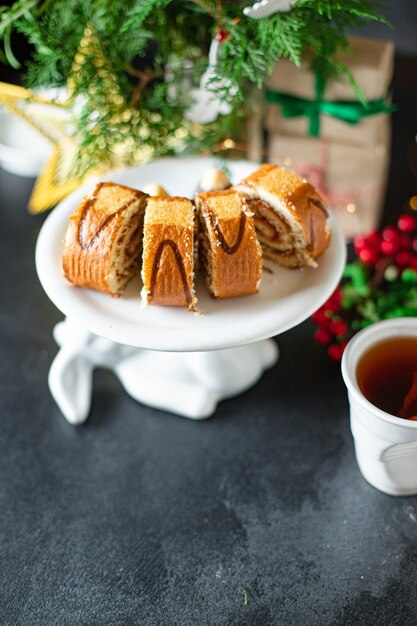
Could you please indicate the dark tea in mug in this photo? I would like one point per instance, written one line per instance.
(387, 376)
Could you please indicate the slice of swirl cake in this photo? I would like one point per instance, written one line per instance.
(290, 217)
(230, 253)
(168, 253)
(103, 241)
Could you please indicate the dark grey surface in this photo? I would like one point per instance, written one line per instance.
(402, 15)
(256, 517)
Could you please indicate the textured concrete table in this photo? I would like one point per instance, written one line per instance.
(258, 516)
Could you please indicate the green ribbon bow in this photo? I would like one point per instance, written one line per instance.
(348, 111)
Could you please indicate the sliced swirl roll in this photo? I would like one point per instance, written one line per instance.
(290, 217)
(168, 253)
(230, 253)
(103, 242)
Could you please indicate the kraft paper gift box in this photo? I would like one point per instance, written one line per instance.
(352, 179)
(371, 65)
(347, 162)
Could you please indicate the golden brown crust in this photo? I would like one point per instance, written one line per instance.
(93, 231)
(300, 201)
(168, 253)
(233, 257)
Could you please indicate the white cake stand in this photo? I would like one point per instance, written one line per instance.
(167, 357)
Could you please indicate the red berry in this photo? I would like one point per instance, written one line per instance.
(331, 305)
(335, 351)
(222, 35)
(338, 328)
(389, 247)
(414, 245)
(336, 296)
(359, 244)
(320, 318)
(407, 223)
(413, 262)
(403, 259)
(368, 256)
(322, 337)
(405, 242)
(373, 239)
(390, 233)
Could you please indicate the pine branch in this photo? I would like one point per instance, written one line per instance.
(145, 41)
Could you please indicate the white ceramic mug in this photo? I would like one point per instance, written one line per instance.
(385, 445)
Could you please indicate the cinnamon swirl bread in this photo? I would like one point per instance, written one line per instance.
(290, 216)
(103, 241)
(230, 253)
(168, 253)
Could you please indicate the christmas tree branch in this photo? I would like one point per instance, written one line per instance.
(18, 9)
(144, 79)
(215, 12)
(172, 37)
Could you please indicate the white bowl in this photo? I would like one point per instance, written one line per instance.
(23, 150)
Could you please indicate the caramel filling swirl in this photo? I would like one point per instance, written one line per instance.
(89, 205)
(180, 264)
(225, 246)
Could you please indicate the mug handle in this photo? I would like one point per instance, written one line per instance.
(399, 450)
(378, 447)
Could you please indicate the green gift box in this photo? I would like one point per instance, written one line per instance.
(323, 132)
(300, 104)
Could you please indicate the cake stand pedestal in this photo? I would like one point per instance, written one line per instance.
(167, 357)
(189, 384)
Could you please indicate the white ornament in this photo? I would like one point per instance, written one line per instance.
(186, 383)
(207, 104)
(155, 190)
(266, 8)
(214, 179)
